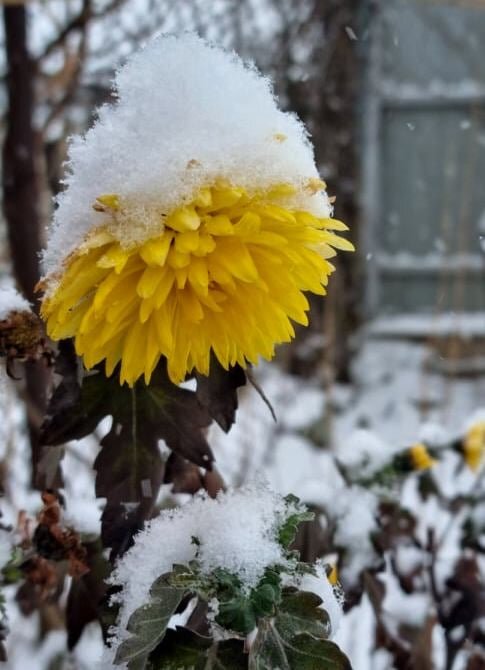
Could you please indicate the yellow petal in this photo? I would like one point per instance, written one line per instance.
(187, 242)
(154, 252)
(183, 219)
(149, 281)
(115, 257)
(219, 225)
(177, 260)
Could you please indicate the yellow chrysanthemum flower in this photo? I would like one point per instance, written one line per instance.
(420, 457)
(474, 445)
(226, 274)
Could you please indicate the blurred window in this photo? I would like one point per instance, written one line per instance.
(426, 220)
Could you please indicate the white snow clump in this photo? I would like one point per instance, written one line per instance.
(236, 531)
(363, 453)
(11, 301)
(5, 547)
(331, 601)
(186, 114)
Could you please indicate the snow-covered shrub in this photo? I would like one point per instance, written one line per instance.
(230, 554)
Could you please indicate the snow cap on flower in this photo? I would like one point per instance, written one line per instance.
(193, 221)
(186, 114)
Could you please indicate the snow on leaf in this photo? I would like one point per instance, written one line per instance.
(287, 532)
(148, 625)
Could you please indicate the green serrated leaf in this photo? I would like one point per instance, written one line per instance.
(287, 531)
(148, 625)
(300, 612)
(267, 594)
(237, 615)
(182, 649)
(302, 652)
(264, 599)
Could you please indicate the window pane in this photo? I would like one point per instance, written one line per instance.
(429, 41)
(433, 180)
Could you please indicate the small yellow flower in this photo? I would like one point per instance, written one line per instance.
(226, 273)
(420, 457)
(333, 575)
(474, 445)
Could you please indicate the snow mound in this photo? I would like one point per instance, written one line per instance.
(331, 600)
(5, 547)
(186, 114)
(11, 301)
(363, 453)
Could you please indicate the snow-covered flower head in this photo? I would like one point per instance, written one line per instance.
(193, 219)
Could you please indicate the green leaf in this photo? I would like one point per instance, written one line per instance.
(237, 615)
(230, 656)
(300, 612)
(264, 599)
(148, 625)
(180, 649)
(183, 649)
(267, 594)
(287, 532)
(239, 611)
(302, 652)
(226, 584)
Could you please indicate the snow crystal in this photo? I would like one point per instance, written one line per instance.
(351, 33)
(186, 113)
(236, 531)
(331, 602)
(11, 300)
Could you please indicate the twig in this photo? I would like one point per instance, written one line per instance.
(264, 398)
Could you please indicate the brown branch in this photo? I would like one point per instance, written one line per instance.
(79, 22)
(20, 188)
